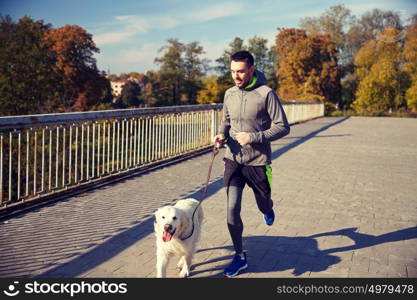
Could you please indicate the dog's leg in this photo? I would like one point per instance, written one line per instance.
(185, 271)
(161, 264)
(181, 262)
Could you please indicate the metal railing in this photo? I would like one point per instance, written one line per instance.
(303, 111)
(45, 154)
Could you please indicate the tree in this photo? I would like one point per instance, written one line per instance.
(152, 95)
(350, 34)
(171, 71)
(272, 69)
(223, 62)
(265, 59)
(257, 46)
(333, 22)
(212, 92)
(28, 82)
(381, 80)
(48, 70)
(369, 26)
(308, 69)
(195, 68)
(410, 65)
(95, 90)
(84, 85)
(112, 77)
(130, 95)
(181, 72)
(362, 30)
(349, 84)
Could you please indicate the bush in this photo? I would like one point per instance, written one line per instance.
(329, 108)
(343, 113)
(401, 113)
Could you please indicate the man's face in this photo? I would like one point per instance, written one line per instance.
(241, 73)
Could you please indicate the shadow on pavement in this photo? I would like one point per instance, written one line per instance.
(301, 140)
(301, 254)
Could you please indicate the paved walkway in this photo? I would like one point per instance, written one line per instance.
(345, 193)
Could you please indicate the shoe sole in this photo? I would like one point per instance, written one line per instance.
(237, 272)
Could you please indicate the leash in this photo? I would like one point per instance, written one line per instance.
(214, 152)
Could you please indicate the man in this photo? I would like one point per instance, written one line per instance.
(252, 117)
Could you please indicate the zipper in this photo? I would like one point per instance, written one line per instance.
(242, 107)
(240, 122)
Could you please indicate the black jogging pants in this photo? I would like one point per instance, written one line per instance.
(236, 176)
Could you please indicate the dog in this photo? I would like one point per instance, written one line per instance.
(177, 234)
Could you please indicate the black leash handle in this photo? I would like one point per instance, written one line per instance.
(214, 152)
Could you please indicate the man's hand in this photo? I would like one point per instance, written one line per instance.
(243, 138)
(219, 140)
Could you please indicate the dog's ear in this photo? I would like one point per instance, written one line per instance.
(184, 226)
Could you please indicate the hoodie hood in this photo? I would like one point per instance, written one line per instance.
(258, 80)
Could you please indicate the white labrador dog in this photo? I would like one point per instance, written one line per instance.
(177, 235)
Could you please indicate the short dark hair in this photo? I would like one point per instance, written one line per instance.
(243, 56)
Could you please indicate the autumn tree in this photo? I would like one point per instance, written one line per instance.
(29, 84)
(308, 69)
(334, 21)
(410, 65)
(212, 92)
(84, 85)
(350, 33)
(381, 80)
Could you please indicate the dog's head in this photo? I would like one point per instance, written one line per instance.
(168, 222)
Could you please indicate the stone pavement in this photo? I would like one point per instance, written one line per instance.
(345, 194)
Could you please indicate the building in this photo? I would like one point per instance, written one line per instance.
(117, 86)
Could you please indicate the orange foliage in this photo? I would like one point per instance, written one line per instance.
(381, 80)
(74, 48)
(308, 69)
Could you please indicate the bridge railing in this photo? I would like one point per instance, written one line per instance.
(42, 155)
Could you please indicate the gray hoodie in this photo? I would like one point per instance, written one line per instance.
(258, 111)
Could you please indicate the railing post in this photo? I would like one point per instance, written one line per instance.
(213, 129)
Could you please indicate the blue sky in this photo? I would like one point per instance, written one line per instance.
(129, 33)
